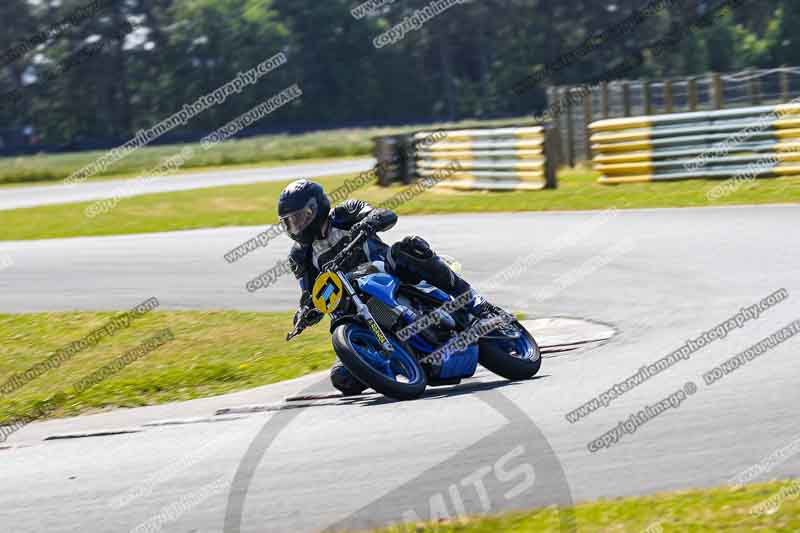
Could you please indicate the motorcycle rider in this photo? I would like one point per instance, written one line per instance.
(320, 233)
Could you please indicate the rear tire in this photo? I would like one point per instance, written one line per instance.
(349, 356)
(497, 359)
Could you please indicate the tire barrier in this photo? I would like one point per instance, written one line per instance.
(759, 142)
(391, 152)
(490, 159)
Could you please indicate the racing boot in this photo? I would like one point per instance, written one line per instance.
(484, 310)
(345, 382)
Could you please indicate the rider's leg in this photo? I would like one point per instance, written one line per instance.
(413, 260)
(344, 381)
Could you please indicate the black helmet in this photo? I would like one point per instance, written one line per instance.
(303, 209)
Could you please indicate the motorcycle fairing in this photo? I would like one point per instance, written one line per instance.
(460, 365)
(384, 287)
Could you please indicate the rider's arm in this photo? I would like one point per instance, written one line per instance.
(306, 273)
(354, 213)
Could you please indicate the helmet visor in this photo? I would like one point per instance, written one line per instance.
(295, 222)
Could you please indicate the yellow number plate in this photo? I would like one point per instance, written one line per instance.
(327, 292)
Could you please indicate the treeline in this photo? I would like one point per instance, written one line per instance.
(99, 69)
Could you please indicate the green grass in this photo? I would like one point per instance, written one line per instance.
(255, 204)
(697, 511)
(133, 173)
(255, 150)
(212, 353)
(268, 150)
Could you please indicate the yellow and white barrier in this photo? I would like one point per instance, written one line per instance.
(759, 141)
(490, 159)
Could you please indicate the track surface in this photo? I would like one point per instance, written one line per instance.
(683, 272)
(18, 197)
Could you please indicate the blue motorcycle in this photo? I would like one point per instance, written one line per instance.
(399, 338)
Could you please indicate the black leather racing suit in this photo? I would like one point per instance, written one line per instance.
(411, 260)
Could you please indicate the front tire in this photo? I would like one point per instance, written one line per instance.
(400, 377)
(514, 360)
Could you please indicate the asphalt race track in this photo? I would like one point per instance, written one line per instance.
(658, 277)
(31, 196)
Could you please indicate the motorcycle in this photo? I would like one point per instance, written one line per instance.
(372, 313)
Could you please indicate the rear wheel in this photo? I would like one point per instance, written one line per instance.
(397, 375)
(512, 358)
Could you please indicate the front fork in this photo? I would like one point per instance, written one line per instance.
(363, 311)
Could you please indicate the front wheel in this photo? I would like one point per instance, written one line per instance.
(514, 358)
(397, 375)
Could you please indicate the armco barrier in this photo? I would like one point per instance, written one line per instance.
(491, 159)
(756, 141)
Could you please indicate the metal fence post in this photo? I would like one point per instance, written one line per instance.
(570, 127)
(755, 91)
(604, 99)
(553, 95)
(668, 96)
(409, 159)
(786, 88)
(647, 94)
(626, 98)
(551, 159)
(550, 101)
(691, 89)
(588, 116)
(718, 94)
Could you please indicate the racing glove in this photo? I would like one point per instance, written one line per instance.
(313, 315)
(378, 219)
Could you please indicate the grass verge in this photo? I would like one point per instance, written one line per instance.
(212, 353)
(250, 151)
(698, 511)
(274, 149)
(255, 204)
(182, 171)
